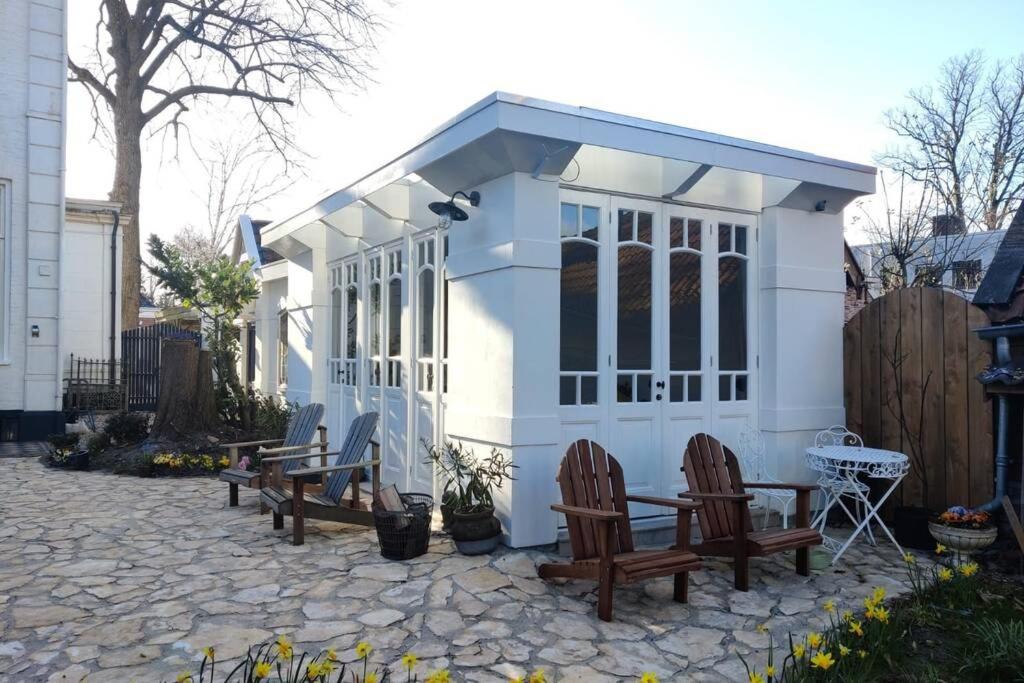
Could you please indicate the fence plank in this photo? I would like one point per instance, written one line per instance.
(979, 356)
(890, 435)
(912, 378)
(871, 372)
(932, 364)
(852, 384)
(957, 417)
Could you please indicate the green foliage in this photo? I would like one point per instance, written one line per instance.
(97, 443)
(61, 446)
(469, 482)
(272, 416)
(220, 290)
(994, 651)
(124, 427)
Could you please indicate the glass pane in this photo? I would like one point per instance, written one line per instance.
(741, 387)
(645, 227)
(724, 237)
(567, 391)
(426, 313)
(335, 323)
(578, 307)
(624, 389)
(732, 313)
(375, 319)
(395, 318)
(725, 387)
(741, 239)
(569, 219)
(591, 222)
(694, 388)
(694, 228)
(676, 232)
(351, 326)
(625, 225)
(444, 323)
(634, 308)
(684, 311)
(588, 389)
(643, 389)
(675, 388)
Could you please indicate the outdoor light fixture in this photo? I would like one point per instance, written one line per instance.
(820, 206)
(449, 211)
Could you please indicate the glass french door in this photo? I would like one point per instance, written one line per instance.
(676, 331)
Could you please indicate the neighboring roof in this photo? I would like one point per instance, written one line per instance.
(503, 133)
(854, 273)
(145, 301)
(248, 236)
(1002, 290)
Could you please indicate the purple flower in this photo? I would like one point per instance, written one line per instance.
(243, 464)
(958, 510)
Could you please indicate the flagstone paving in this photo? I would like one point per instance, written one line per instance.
(111, 578)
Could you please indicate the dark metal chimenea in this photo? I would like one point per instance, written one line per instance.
(1001, 296)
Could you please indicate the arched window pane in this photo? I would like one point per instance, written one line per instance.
(351, 324)
(335, 323)
(578, 307)
(634, 308)
(375, 319)
(394, 317)
(684, 312)
(732, 313)
(426, 313)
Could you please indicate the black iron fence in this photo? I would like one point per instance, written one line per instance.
(140, 351)
(92, 384)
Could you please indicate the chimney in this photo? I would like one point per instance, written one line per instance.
(947, 224)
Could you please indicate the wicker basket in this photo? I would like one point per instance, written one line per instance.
(405, 535)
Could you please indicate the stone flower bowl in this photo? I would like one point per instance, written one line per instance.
(964, 541)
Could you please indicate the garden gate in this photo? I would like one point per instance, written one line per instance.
(140, 353)
(939, 349)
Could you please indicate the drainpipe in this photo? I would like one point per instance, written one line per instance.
(1002, 460)
(116, 214)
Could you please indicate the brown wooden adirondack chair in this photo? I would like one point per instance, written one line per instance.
(596, 509)
(714, 478)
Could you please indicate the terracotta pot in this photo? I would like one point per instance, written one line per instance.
(964, 541)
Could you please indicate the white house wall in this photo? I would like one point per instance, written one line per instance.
(273, 297)
(32, 69)
(86, 280)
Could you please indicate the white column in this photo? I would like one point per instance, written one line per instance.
(503, 268)
(801, 306)
(300, 327)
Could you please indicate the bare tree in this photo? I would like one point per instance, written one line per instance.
(964, 138)
(152, 64)
(240, 175)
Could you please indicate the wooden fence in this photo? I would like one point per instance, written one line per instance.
(935, 330)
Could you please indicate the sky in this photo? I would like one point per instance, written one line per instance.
(813, 76)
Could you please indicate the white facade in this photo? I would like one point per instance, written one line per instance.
(32, 143)
(622, 280)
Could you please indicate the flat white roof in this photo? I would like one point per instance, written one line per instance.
(573, 125)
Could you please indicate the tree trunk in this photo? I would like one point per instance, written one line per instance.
(185, 405)
(128, 126)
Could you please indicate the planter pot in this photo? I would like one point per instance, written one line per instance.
(911, 527)
(475, 533)
(964, 541)
(75, 461)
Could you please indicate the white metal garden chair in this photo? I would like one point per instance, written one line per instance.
(754, 468)
(834, 485)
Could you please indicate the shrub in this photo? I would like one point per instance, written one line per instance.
(60, 446)
(272, 416)
(995, 651)
(124, 427)
(97, 443)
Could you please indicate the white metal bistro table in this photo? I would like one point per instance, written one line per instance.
(843, 465)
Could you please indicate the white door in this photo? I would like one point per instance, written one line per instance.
(372, 383)
(395, 379)
(348, 364)
(335, 366)
(425, 373)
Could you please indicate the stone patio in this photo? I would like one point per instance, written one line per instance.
(110, 578)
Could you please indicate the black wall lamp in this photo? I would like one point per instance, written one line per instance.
(449, 211)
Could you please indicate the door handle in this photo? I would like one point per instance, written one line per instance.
(660, 385)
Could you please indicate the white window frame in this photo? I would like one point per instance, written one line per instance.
(282, 351)
(5, 270)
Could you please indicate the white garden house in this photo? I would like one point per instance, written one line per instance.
(623, 280)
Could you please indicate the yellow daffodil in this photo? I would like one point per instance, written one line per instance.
(769, 671)
(823, 660)
(814, 640)
(331, 655)
(284, 647)
(855, 628)
(409, 660)
(371, 677)
(439, 676)
(762, 628)
(945, 574)
(939, 549)
(208, 652)
(799, 650)
(363, 650)
(862, 654)
(328, 666)
(538, 676)
(830, 606)
(882, 614)
(878, 594)
(516, 679)
(314, 670)
(184, 677)
(969, 569)
(648, 677)
(909, 558)
(756, 677)
(224, 461)
(869, 613)
(843, 650)
(847, 615)
(262, 670)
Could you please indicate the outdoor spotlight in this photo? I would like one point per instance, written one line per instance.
(820, 206)
(449, 211)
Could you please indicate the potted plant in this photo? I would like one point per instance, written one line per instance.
(964, 530)
(467, 498)
(64, 452)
